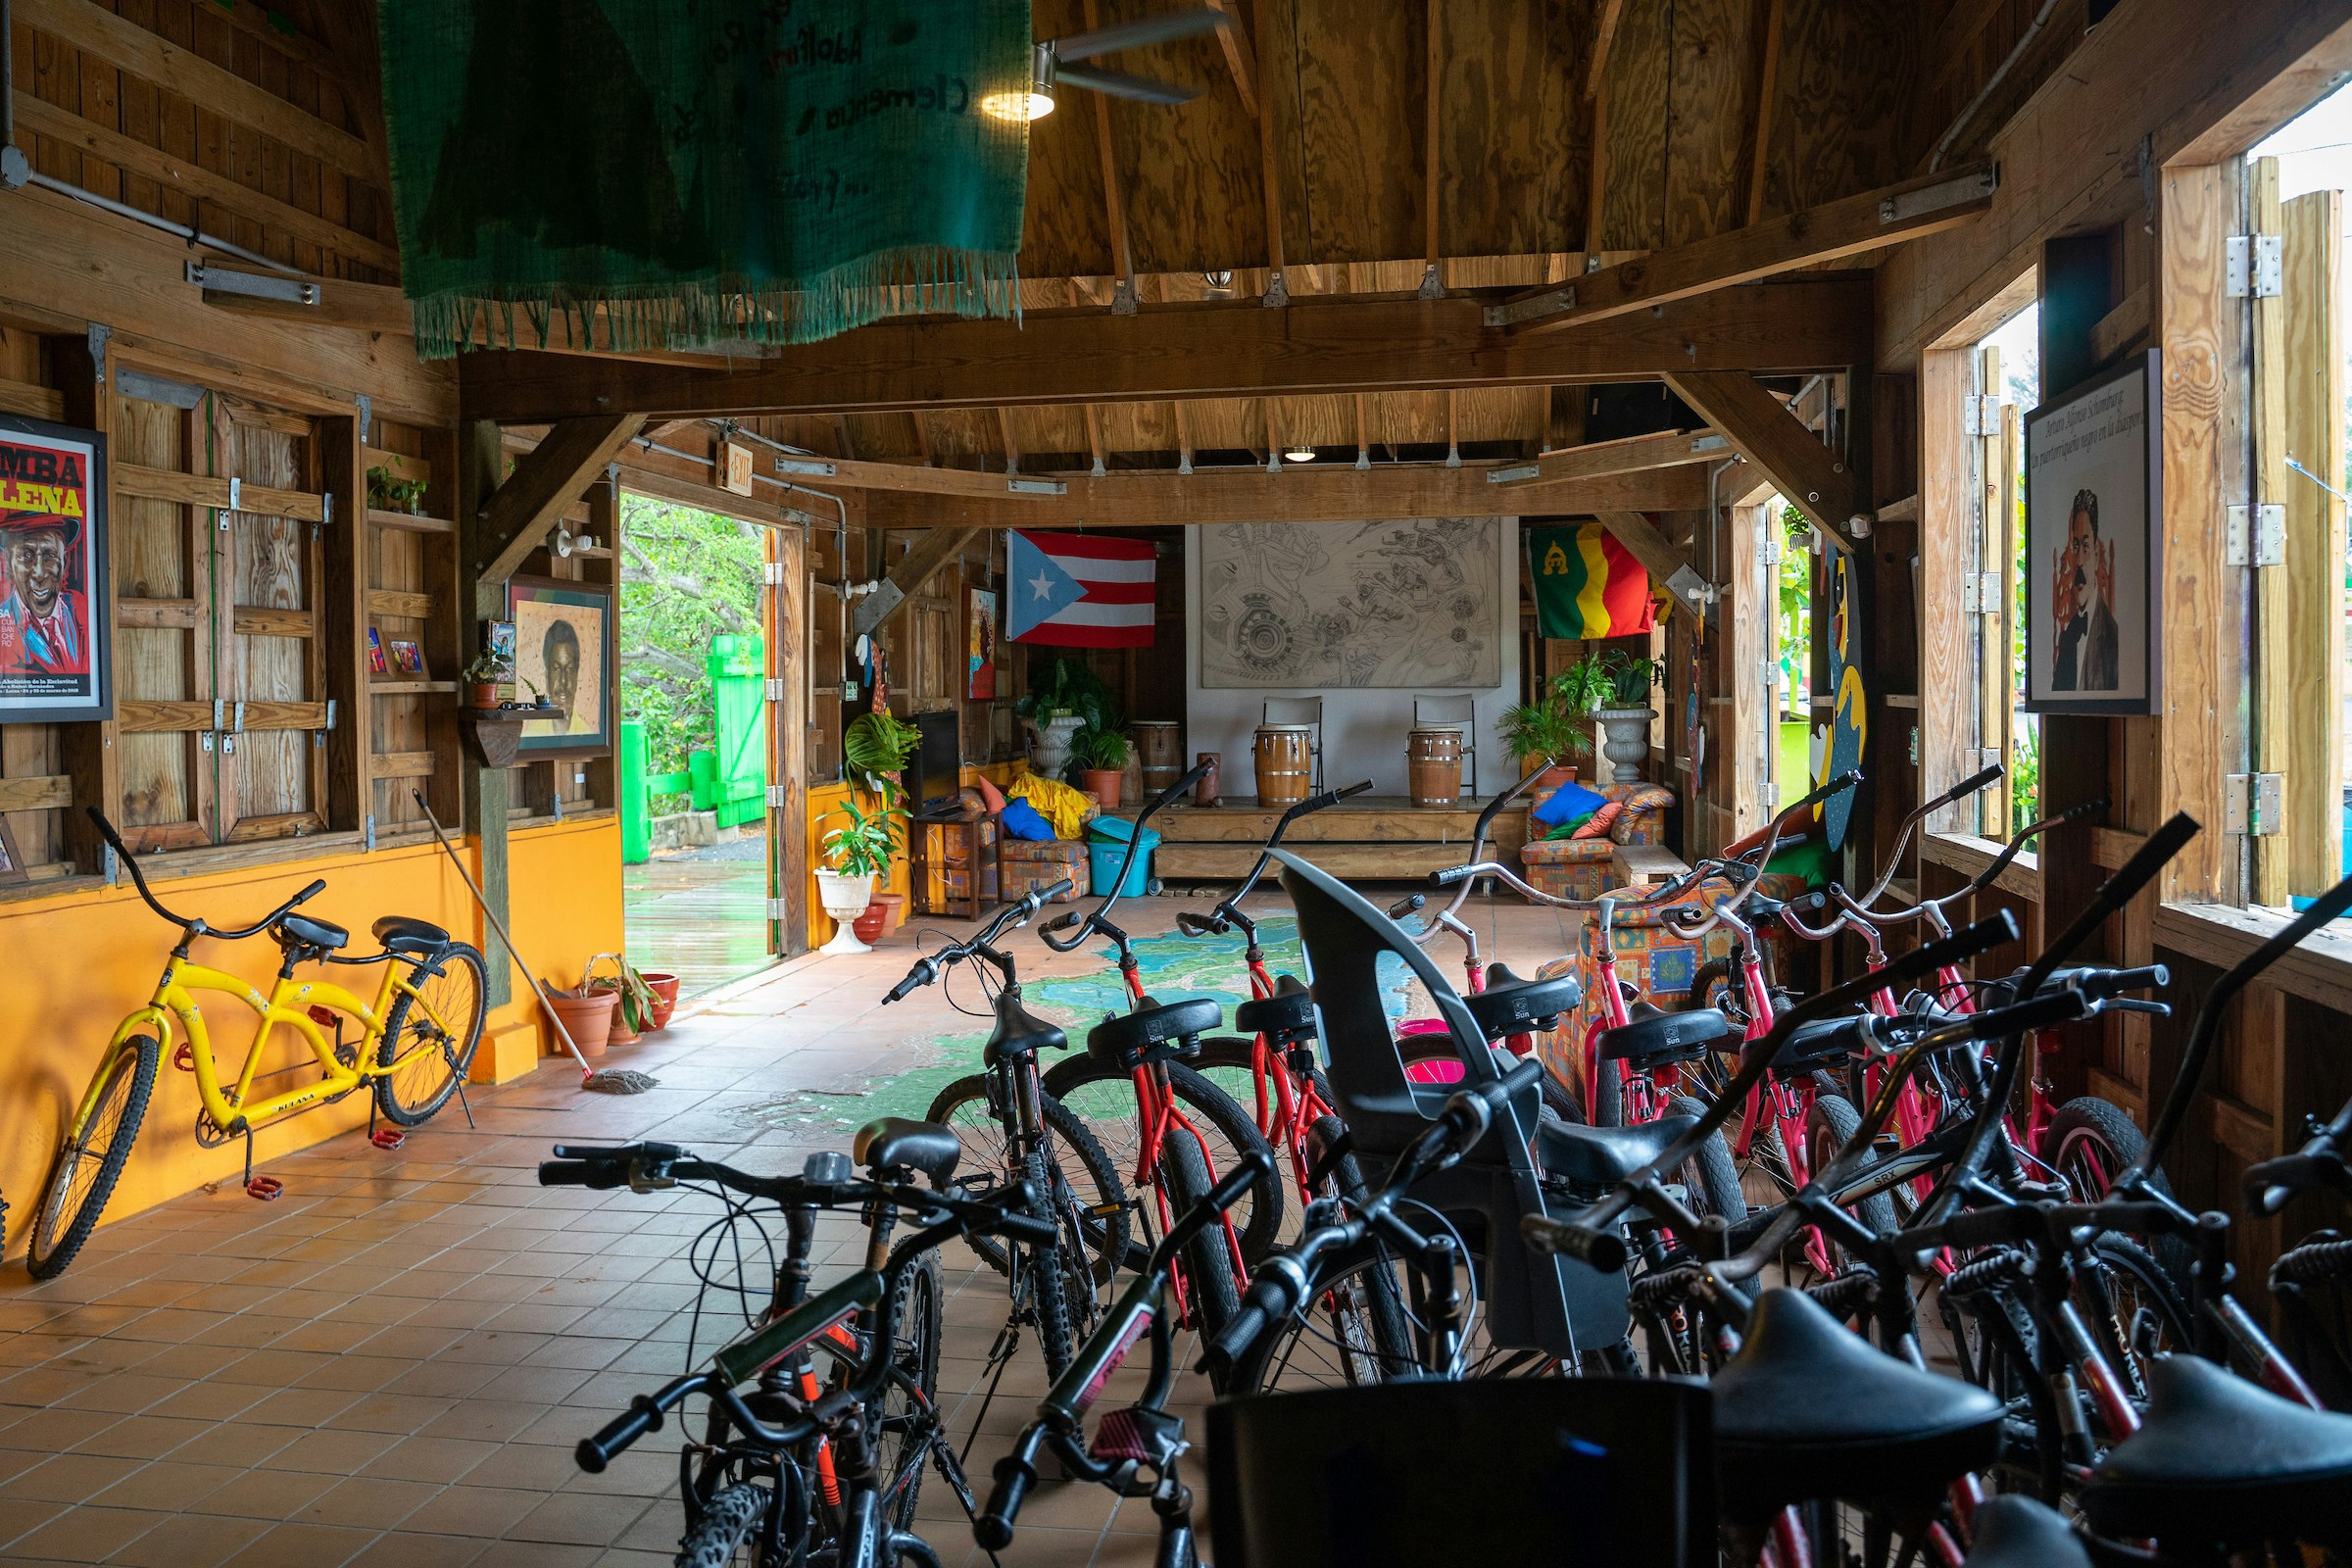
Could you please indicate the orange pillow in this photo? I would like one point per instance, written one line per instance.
(991, 797)
(1597, 823)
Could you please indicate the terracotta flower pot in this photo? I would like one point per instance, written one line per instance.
(666, 996)
(481, 694)
(1554, 776)
(1103, 784)
(620, 1034)
(587, 1017)
(868, 926)
(894, 911)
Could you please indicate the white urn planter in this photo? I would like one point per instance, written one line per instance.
(1049, 745)
(1625, 741)
(845, 897)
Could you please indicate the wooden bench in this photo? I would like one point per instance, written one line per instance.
(1639, 864)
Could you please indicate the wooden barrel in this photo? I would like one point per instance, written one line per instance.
(1156, 744)
(1432, 767)
(1285, 766)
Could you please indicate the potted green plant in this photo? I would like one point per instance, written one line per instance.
(389, 492)
(1099, 752)
(1559, 723)
(857, 855)
(1064, 697)
(480, 679)
(637, 1002)
(1625, 722)
(877, 747)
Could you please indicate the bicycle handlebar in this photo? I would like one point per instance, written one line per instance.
(197, 927)
(931, 967)
(1094, 920)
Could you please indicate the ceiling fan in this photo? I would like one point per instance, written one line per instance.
(1050, 63)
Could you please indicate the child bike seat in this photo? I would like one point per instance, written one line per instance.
(2012, 1530)
(301, 931)
(896, 1143)
(1284, 1018)
(1019, 1032)
(1660, 1038)
(1808, 1410)
(1603, 1157)
(1512, 1005)
(2221, 1460)
(1132, 1039)
(401, 933)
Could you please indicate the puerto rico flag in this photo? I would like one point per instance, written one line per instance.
(1072, 590)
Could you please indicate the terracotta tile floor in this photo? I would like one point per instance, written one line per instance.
(389, 1366)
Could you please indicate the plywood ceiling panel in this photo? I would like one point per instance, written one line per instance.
(1513, 134)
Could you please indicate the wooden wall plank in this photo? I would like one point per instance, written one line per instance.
(2313, 428)
(1946, 697)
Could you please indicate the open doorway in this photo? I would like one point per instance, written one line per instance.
(694, 744)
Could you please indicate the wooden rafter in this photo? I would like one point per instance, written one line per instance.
(1830, 232)
(1305, 493)
(1809, 475)
(1633, 454)
(1658, 556)
(933, 550)
(1768, 86)
(841, 435)
(1269, 169)
(1363, 443)
(1434, 30)
(1094, 436)
(921, 418)
(1114, 190)
(1012, 447)
(546, 479)
(1184, 437)
(1202, 349)
(1240, 59)
(1605, 33)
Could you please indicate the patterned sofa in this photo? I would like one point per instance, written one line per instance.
(1029, 863)
(1578, 868)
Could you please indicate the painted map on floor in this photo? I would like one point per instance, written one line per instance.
(1405, 603)
(1175, 967)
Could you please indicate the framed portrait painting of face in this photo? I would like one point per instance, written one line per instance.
(2093, 574)
(54, 587)
(565, 649)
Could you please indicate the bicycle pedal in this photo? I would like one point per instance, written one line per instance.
(387, 1137)
(265, 1188)
(183, 1057)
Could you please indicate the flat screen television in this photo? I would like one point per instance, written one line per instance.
(937, 767)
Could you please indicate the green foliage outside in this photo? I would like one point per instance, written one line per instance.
(1796, 613)
(686, 577)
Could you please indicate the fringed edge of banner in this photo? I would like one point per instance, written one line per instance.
(705, 314)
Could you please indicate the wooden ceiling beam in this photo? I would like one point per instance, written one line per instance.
(1768, 88)
(1197, 349)
(1114, 190)
(1012, 447)
(1666, 564)
(1299, 493)
(1813, 237)
(1240, 58)
(1633, 454)
(546, 481)
(1605, 33)
(1269, 170)
(1812, 478)
(934, 550)
(1431, 284)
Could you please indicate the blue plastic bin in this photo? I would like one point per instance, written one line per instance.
(1106, 844)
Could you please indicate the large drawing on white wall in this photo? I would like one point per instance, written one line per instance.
(1411, 602)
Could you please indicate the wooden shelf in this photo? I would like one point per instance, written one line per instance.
(414, 525)
(1903, 510)
(1901, 700)
(409, 688)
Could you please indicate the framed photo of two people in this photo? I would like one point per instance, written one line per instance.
(2094, 567)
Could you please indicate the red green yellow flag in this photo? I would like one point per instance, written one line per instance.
(1587, 585)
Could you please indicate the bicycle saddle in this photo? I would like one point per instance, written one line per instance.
(1807, 1409)
(1513, 1005)
(896, 1143)
(2012, 1530)
(1603, 1157)
(1285, 1017)
(302, 931)
(1131, 1039)
(1663, 1036)
(401, 933)
(2219, 1460)
(1019, 1032)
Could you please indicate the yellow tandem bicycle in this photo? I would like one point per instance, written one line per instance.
(416, 1039)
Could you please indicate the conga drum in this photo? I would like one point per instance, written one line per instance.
(1156, 744)
(1285, 763)
(1432, 765)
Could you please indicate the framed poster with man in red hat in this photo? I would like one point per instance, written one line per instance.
(54, 646)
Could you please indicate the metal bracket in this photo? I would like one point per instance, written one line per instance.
(1934, 198)
(1278, 292)
(807, 468)
(1363, 461)
(326, 508)
(368, 828)
(99, 333)
(366, 416)
(2253, 804)
(1988, 593)
(2254, 536)
(204, 742)
(1039, 487)
(330, 712)
(556, 804)
(1515, 473)
(2254, 264)
(1551, 302)
(250, 285)
(110, 863)
(1432, 287)
(1453, 455)
(236, 503)
(1122, 297)
(1968, 595)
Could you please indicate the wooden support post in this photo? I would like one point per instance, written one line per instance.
(486, 792)
(934, 550)
(1810, 476)
(516, 516)
(1669, 566)
(2313, 428)
(1946, 726)
(784, 609)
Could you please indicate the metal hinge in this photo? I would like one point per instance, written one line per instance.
(1772, 790)
(776, 691)
(1983, 756)
(1768, 673)
(1969, 603)
(1988, 592)
(2254, 536)
(368, 826)
(775, 797)
(2253, 804)
(2253, 265)
(1769, 550)
(771, 572)
(776, 909)
(1979, 416)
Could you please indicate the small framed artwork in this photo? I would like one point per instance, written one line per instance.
(2094, 567)
(497, 641)
(11, 863)
(378, 664)
(565, 652)
(408, 659)
(980, 644)
(55, 617)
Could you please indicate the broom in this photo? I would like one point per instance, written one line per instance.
(603, 1080)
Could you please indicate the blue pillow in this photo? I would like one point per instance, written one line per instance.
(1024, 821)
(1568, 801)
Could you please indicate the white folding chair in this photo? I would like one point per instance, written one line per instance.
(1458, 712)
(1307, 710)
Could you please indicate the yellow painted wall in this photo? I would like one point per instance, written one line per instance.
(78, 962)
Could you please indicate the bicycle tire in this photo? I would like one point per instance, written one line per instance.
(1829, 1123)
(1095, 1189)
(1214, 1297)
(728, 1522)
(2087, 1122)
(2147, 1284)
(455, 961)
(1102, 1097)
(1608, 1093)
(1710, 1169)
(57, 1239)
(1048, 1283)
(922, 1320)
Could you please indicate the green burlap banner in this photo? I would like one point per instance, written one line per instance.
(698, 172)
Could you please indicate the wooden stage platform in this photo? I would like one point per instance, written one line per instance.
(1370, 838)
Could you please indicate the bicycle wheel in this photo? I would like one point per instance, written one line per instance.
(1044, 1275)
(438, 1053)
(727, 1532)
(1086, 1184)
(92, 1157)
(908, 1402)
(2113, 1297)
(1711, 1177)
(1214, 1297)
(2088, 1142)
(1829, 1123)
(1104, 1098)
